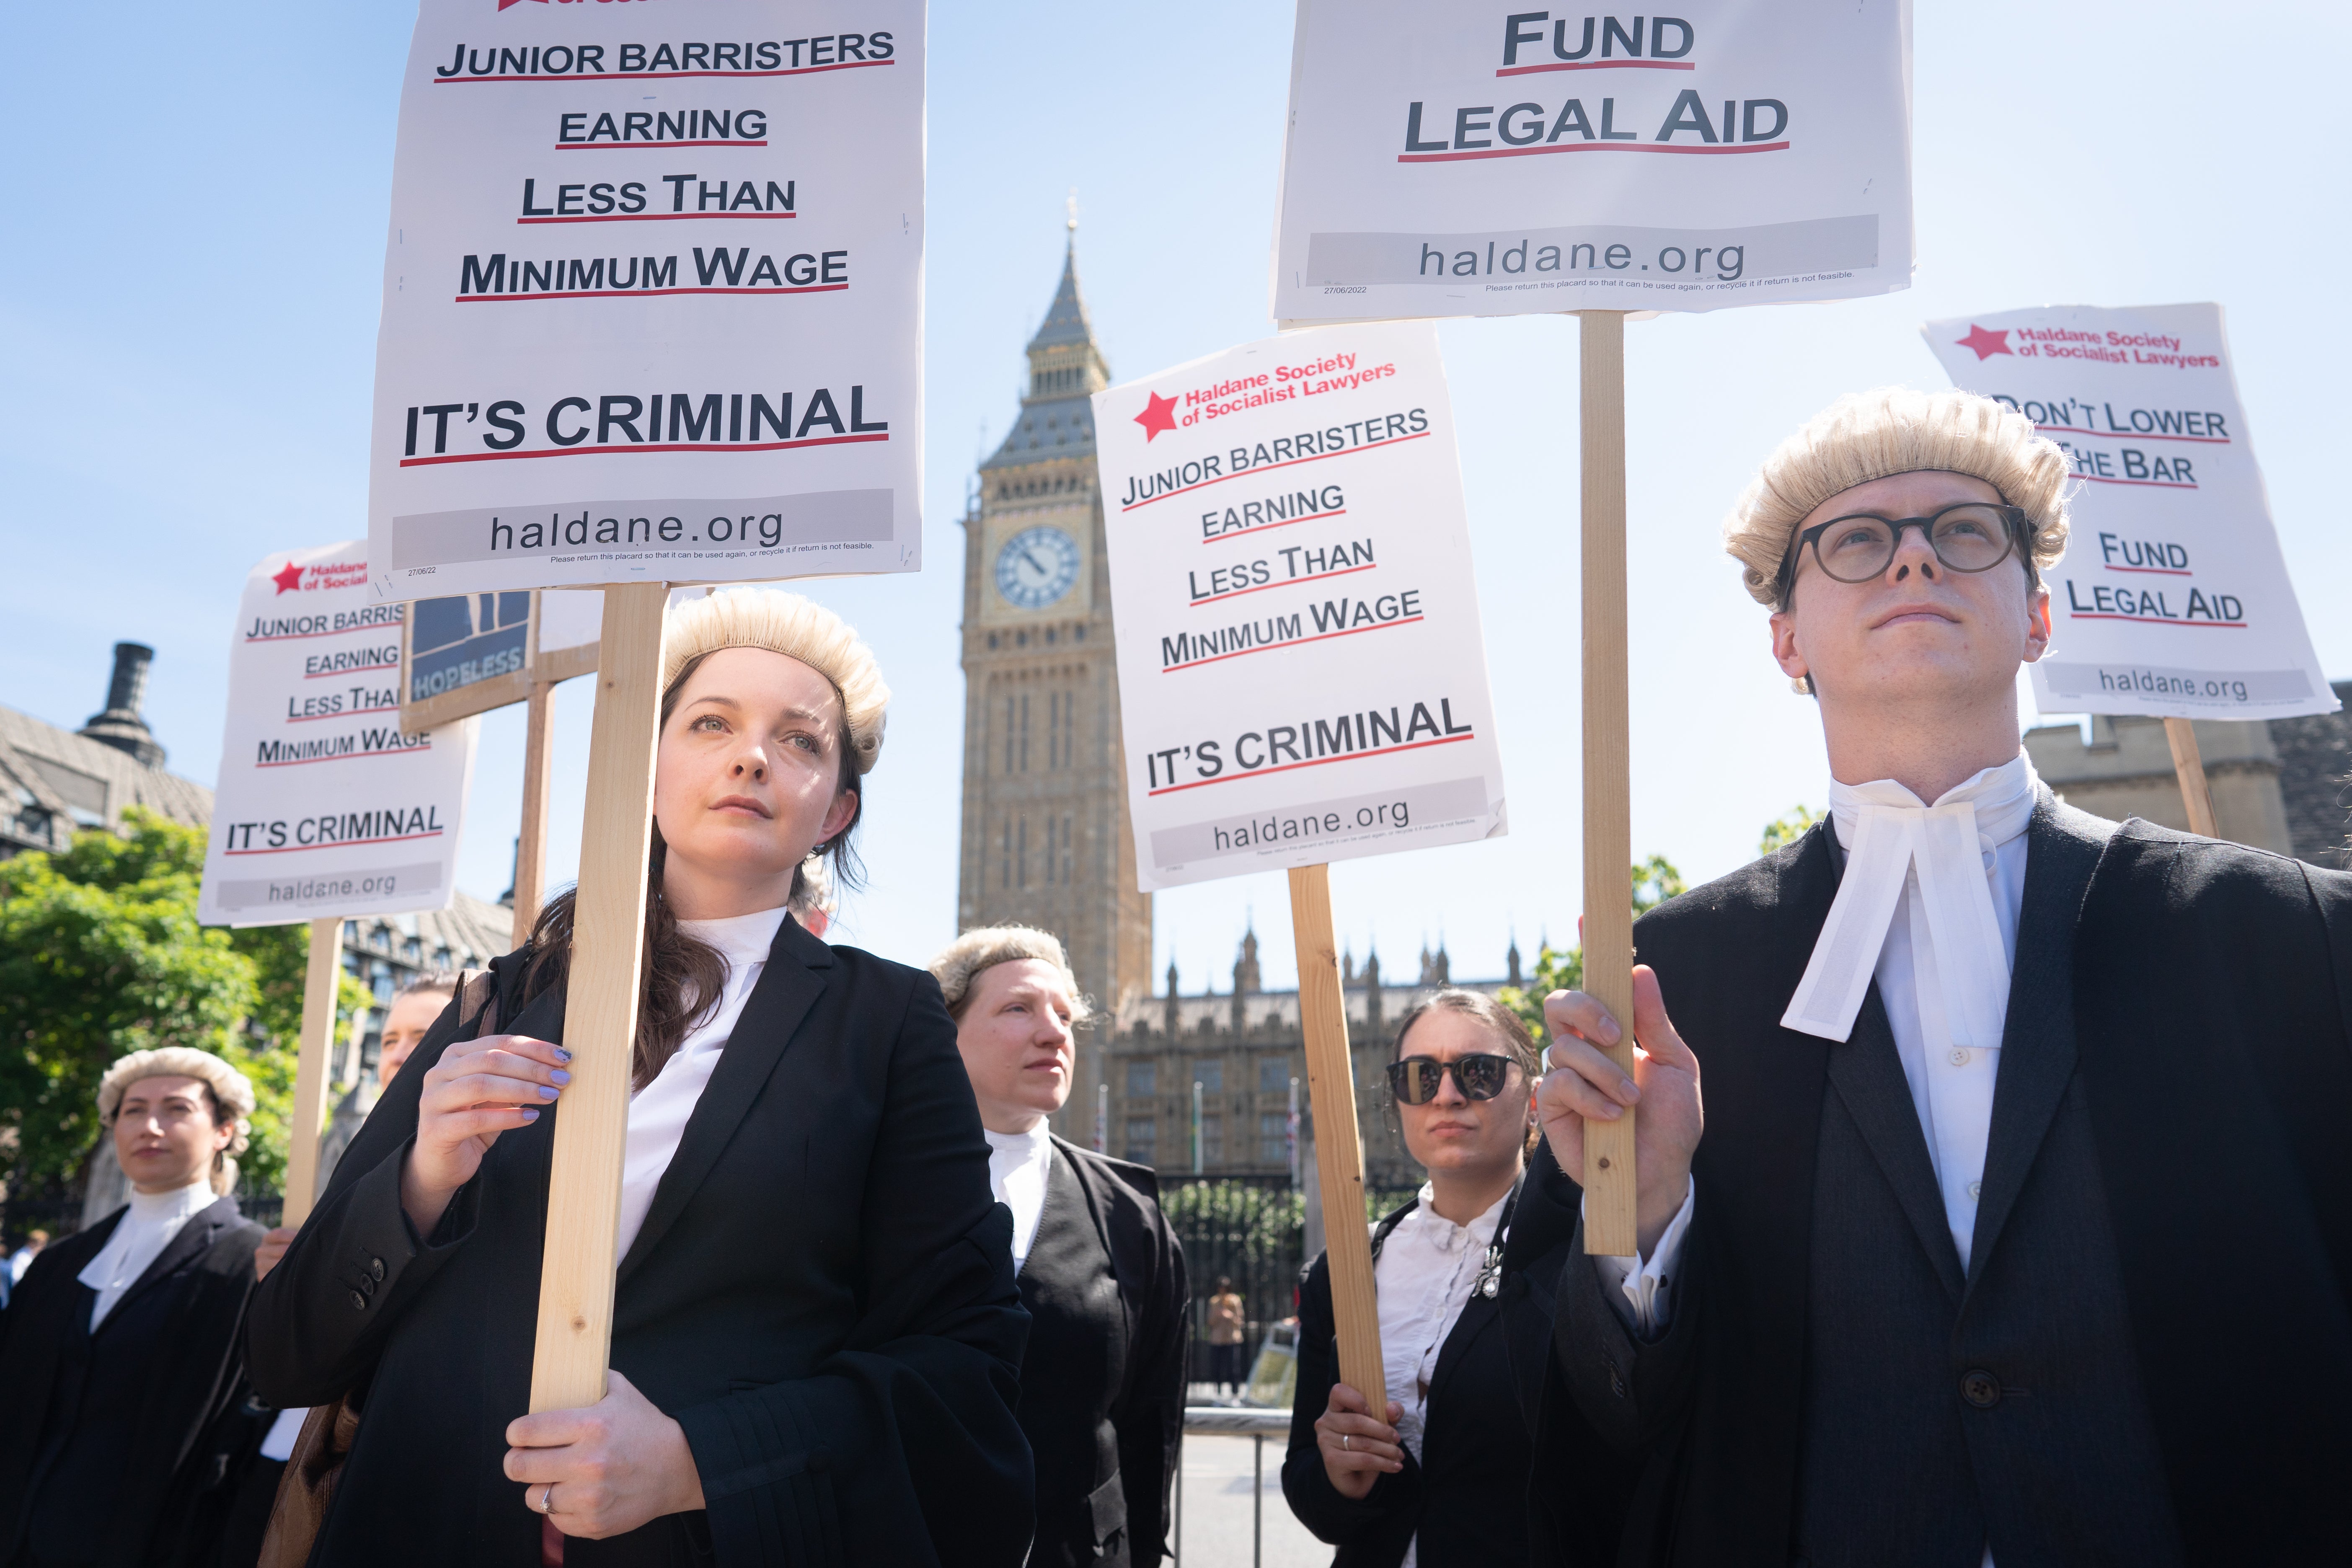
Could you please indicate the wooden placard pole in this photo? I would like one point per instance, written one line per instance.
(311, 1069)
(584, 1201)
(1610, 1225)
(2189, 764)
(1339, 1150)
(530, 848)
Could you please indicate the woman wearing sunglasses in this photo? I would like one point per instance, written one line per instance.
(1464, 1273)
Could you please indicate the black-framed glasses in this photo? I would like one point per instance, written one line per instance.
(1416, 1080)
(1974, 536)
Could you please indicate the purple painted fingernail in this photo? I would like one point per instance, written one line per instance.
(531, 1116)
(545, 1092)
(559, 1076)
(563, 1054)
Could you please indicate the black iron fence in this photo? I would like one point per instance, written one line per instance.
(1251, 1230)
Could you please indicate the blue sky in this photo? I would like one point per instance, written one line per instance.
(196, 202)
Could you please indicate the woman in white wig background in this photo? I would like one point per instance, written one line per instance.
(817, 1335)
(121, 1356)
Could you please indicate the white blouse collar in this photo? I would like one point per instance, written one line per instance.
(741, 940)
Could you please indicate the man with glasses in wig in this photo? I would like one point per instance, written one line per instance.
(2017, 1226)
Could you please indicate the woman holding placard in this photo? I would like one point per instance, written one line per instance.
(1464, 1276)
(816, 1335)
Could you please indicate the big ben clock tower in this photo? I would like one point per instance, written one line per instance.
(1045, 836)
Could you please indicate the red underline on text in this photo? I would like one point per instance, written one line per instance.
(349, 670)
(644, 446)
(1603, 66)
(1312, 762)
(644, 293)
(1263, 527)
(663, 75)
(2150, 620)
(2156, 484)
(1289, 463)
(650, 217)
(1295, 642)
(314, 718)
(334, 632)
(1584, 147)
(624, 146)
(342, 843)
(2160, 570)
(1286, 583)
(2135, 434)
(343, 757)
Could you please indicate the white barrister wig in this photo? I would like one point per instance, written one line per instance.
(964, 960)
(798, 628)
(231, 1093)
(1868, 436)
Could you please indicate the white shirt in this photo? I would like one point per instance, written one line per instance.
(1423, 1278)
(1018, 1164)
(139, 1238)
(660, 1111)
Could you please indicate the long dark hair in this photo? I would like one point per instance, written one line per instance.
(682, 976)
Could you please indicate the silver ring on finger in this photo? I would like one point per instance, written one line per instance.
(546, 1498)
(1343, 1438)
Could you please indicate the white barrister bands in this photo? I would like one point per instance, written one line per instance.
(2173, 596)
(1935, 858)
(1300, 666)
(325, 806)
(1476, 161)
(652, 304)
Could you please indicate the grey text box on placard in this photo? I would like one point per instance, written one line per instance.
(2221, 688)
(1275, 829)
(1594, 252)
(308, 888)
(715, 525)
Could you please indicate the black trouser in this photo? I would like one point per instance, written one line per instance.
(1228, 1367)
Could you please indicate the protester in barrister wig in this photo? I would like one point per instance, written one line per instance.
(1436, 1474)
(1102, 1386)
(816, 1332)
(1990, 1085)
(123, 1398)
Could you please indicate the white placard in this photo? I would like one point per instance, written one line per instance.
(2172, 598)
(652, 297)
(1301, 676)
(1485, 159)
(323, 808)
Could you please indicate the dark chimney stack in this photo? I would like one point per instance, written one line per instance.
(120, 725)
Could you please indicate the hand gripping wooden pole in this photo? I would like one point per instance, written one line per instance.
(1339, 1150)
(311, 1069)
(2189, 765)
(600, 1010)
(1609, 1226)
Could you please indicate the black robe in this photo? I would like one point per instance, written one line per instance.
(1471, 1493)
(821, 1294)
(121, 1447)
(2192, 1000)
(1102, 1384)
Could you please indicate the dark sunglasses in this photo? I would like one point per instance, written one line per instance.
(1415, 1079)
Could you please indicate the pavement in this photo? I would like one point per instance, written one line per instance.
(1215, 1509)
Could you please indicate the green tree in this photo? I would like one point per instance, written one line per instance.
(1655, 881)
(100, 955)
(1787, 829)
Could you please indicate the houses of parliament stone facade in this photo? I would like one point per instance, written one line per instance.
(1045, 833)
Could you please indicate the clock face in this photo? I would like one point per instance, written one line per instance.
(1036, 567)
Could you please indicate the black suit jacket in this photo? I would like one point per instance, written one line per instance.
(2207, 1012)
(1473, 1484)
(134, 1431)
(821, 1294)
(1105, 1455)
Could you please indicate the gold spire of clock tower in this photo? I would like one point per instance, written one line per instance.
(1045, 835)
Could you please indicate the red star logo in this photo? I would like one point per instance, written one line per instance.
(288, 579)
(1157, 414)
(1987, 344)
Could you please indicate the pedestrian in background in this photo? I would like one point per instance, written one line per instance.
(1228, 1329)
